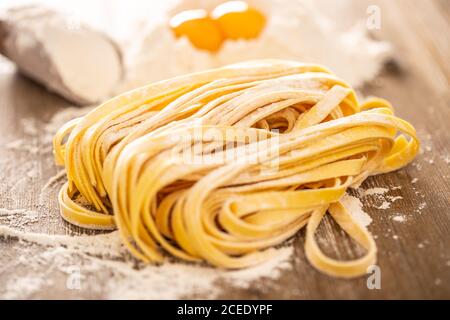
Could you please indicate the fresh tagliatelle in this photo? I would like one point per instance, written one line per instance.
(222, 165)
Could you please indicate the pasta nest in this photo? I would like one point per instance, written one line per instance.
(223, 165)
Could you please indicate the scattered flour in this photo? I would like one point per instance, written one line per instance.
(61, 174)
(19, 287)
(385, 205)
(399, 218)
(375, 191)
(420, 207)
(22, 145)
(18, 218)
(379, 194)
(108, 244)
(9, 212)
(125, 278)
(382, 201)
(355, 208)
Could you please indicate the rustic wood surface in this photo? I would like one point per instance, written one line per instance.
(414, 256)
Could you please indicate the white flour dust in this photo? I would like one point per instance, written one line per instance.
(98, 245)
(126, 279)
(355, 208)
(399, 218)
(379, 197)
(377, 191)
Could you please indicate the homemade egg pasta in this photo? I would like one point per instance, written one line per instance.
(223, 165)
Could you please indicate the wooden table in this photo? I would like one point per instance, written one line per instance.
(414, 256)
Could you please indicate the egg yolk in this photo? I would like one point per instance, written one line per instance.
(238, 20)
(202, 31)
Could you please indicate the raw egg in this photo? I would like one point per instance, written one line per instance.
(202, 31)
(238, 20)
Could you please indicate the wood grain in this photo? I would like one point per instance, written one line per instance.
(414, 256)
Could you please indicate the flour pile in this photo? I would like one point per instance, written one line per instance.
(99, 265)
(295, 30)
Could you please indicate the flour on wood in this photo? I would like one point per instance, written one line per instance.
(355, 207)
(125, 278)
